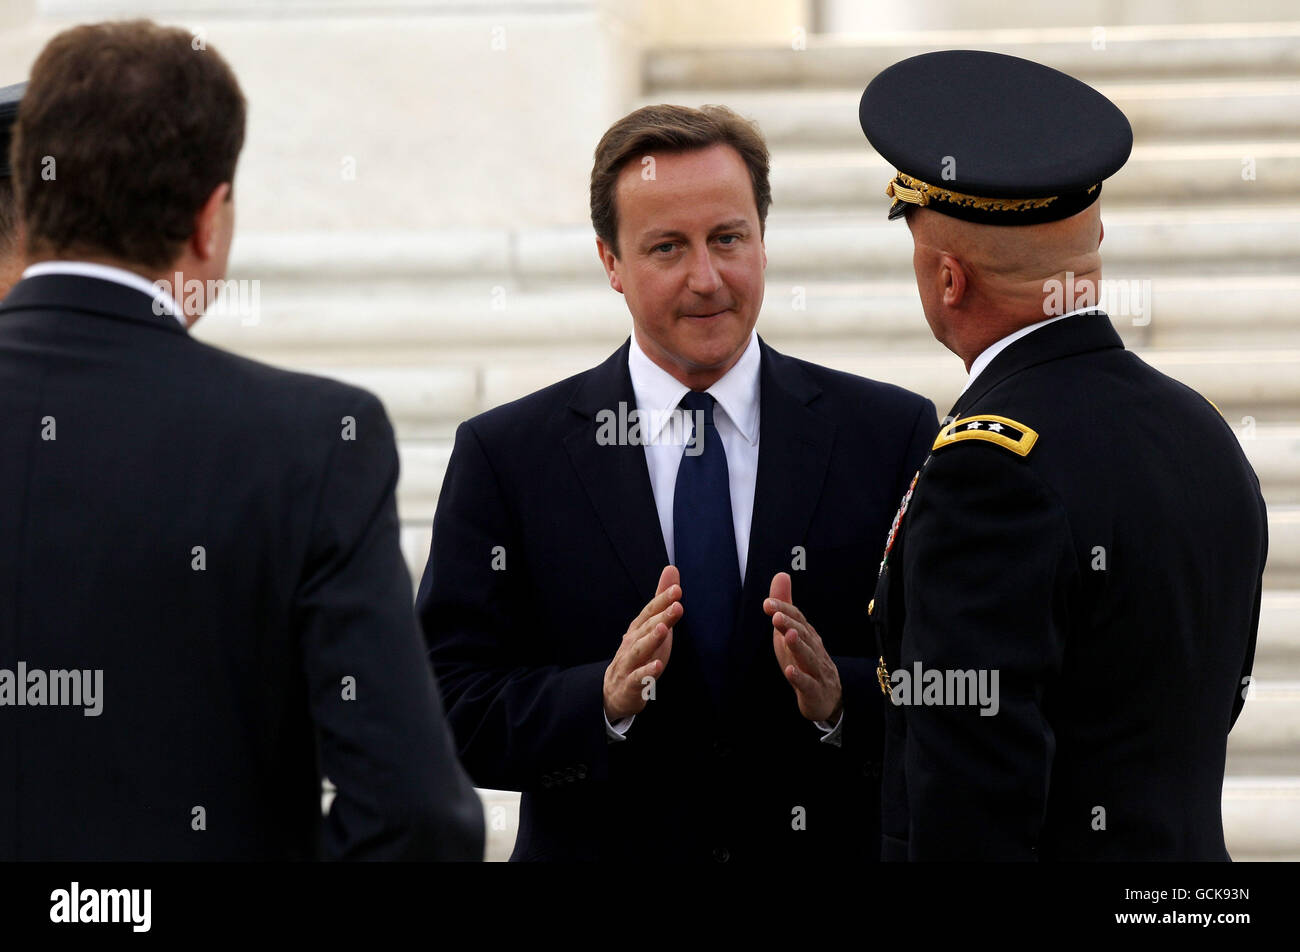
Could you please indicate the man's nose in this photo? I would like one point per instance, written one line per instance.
(703, 277)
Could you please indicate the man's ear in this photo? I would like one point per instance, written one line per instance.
(203, 242)
(1101, 235)
(952, 280)
(608, 261)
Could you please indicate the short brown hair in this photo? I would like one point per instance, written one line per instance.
(666, 128)
(8, 216)
(137, 123)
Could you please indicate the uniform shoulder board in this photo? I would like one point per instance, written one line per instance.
(1006, 433)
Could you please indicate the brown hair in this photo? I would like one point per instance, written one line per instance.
(8, 216)
(666, 128)
(124, 131)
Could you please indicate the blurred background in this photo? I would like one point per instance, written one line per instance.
(412, 205)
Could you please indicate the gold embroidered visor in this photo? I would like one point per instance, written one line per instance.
(908, 191)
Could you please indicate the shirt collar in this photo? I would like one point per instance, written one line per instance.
(164, 302)
(658, 393)
(980, 363)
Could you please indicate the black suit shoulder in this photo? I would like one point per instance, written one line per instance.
(274, 394)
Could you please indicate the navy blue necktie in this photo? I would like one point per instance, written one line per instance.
(704, 541)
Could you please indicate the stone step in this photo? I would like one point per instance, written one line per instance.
(1186, 240)
(1263, 384)
(808, 245)
(1170, 172)
(1274, 452)
(343, 324)
(428, 397)
(1195, 108)
(1266, 737)
(1277, 654)
(1110, 54)
(1261, 817)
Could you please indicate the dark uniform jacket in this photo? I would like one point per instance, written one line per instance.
(1090, 530)
(196, 526)
(546, 545)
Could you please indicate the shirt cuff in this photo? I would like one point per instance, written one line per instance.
(830, 735)
(617, 731)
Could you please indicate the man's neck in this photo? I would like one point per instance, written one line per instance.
(695, 380)
(104, 260)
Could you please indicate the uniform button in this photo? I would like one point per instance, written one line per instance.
(721, 854)
(871, 606)
(546, 781)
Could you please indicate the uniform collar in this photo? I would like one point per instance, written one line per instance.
(1074, 333)
(986, 357)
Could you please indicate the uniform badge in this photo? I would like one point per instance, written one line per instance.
(998, 430)
(882, 671)
(898, 520)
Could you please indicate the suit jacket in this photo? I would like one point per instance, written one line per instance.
(196, 526)
(546, 545)
(1111, 574)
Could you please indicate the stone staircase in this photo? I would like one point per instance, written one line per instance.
(1204, 222)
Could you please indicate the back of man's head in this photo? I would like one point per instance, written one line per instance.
(125, 130)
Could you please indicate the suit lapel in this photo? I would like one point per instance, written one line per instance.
(617, 481)
(794, 451)
(616, 478)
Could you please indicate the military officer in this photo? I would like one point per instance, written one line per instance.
(1067, 605)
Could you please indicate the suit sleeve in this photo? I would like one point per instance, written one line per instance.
(858, 673)
(989, 571)
(521, 721)
(382, 735)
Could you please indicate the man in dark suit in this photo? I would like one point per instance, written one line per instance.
(204, 603)
(1067, 610)
(644, 597)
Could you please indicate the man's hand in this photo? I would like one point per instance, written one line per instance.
(802, 656)
(645, 649)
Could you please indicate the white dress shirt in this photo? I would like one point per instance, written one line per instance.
(986, 356)
(736, 416)
(658, 393)
(164, 302)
